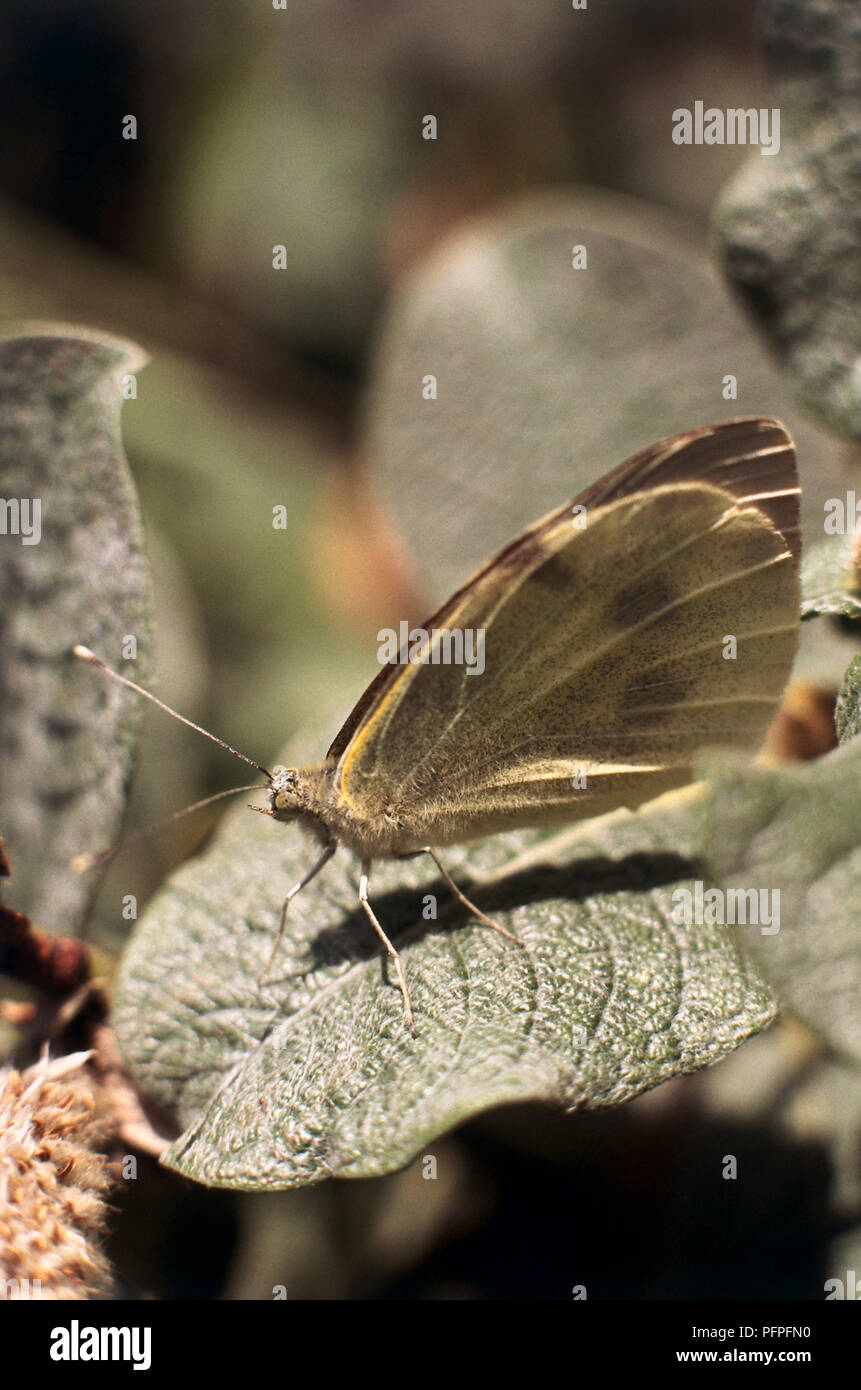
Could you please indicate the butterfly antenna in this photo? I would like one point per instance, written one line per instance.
(86, 655)
(82, 863)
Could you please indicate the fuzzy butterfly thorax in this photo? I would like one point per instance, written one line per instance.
(310, 796)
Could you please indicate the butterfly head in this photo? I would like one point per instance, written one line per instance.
(294, 795)
(286, 794)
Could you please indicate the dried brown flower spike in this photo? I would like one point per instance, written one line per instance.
(53, 1183)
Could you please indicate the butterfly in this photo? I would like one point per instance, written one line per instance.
(653, 616)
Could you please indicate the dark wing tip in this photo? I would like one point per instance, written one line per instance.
(752, 458)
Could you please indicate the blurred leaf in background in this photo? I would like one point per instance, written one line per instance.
(788, 225)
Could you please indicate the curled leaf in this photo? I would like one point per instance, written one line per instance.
(72, 569)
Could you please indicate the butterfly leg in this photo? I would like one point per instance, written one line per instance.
(297, 888)
(390, 950)
(476, 911)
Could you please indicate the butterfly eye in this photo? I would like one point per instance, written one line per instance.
(283, 789)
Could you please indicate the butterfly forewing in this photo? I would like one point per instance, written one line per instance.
(751, 458)
(613, 654)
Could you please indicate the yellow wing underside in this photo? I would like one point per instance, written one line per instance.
(609, 663)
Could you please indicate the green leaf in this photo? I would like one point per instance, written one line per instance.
(828, 583)
(788, 223)
(797, 831)
(66, 740)
(317, 1075)
(847, 713)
